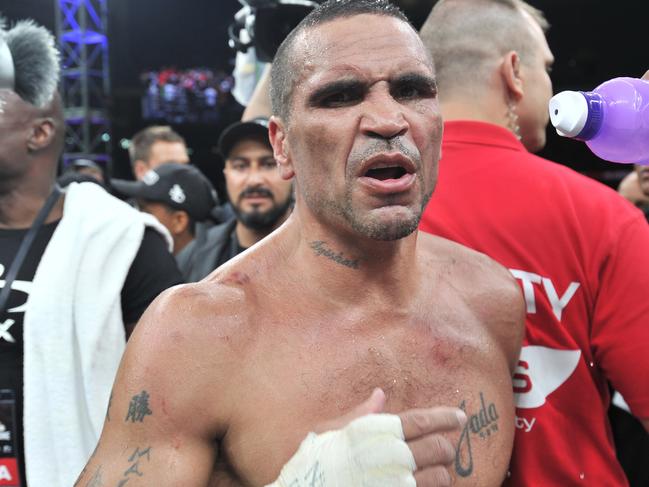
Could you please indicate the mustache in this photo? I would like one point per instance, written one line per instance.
(256, 191)
(376, 147)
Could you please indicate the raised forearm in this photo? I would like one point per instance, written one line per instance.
(259, 105)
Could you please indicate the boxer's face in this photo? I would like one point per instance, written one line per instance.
(365, 127)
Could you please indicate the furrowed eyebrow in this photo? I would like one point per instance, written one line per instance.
(335, 87)
(417, 79)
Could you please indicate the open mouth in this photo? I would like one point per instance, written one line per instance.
(385, 173)
(388, 173)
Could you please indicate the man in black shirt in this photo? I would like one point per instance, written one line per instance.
(260, 198)
(105, 264)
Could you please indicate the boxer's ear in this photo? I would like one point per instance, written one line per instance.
(281, 149)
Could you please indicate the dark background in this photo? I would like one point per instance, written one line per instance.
(592, 40)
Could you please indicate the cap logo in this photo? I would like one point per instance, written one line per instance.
(177, 194)
(150, 178)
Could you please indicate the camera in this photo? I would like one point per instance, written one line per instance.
(266, 24)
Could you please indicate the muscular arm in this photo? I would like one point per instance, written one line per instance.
(645, 423)
(162, 420)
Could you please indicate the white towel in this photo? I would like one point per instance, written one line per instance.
(73, 331)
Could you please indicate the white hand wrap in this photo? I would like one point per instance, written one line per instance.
(368, 452)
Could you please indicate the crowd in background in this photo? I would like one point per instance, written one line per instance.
(192, 96)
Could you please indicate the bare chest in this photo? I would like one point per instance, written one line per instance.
(294, 382)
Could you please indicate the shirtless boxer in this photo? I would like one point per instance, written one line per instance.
(231, 373)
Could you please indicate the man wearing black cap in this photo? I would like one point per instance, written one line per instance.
(260, 198)
(178, 195)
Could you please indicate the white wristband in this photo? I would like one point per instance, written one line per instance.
(369, 451)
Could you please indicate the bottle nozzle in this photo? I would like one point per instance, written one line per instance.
(569, 113)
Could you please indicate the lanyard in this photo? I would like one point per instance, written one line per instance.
(26, 244)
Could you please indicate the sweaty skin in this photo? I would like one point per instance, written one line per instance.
(223, 379)
(254, 372)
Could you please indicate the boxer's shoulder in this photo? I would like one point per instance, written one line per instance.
(463, 262)
(209, 313)
(484, 286)
(189, 343)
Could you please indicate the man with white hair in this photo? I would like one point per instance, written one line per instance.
(77, 270)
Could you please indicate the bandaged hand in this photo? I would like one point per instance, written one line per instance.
(377, 450)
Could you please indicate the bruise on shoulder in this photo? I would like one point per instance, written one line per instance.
(493, 295)
(237, 278)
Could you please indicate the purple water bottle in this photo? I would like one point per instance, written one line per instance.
(613, 119)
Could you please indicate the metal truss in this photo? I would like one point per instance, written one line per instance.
(85, 84)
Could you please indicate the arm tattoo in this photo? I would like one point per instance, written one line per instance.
(138, 408)
(482, 424)
(95, 481)
(136, 460)
(320, 248)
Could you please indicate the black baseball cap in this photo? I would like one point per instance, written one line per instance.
(180, 186)
(255, 128)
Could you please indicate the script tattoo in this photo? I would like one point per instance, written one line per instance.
(482, 424)
(135, 461)
(320, 248)
(138, 408)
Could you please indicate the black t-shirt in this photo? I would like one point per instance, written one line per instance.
(230, 250)
(152, 271)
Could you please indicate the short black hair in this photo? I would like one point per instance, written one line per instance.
(191, 221)
(283, 72)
